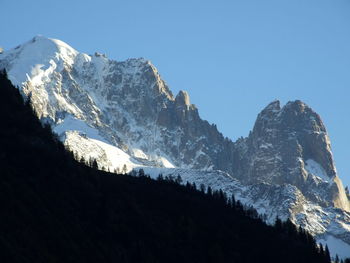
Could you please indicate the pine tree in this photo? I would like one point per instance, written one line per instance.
(209, 191)
(233, 201)
(94, 164)
(141, 172)
(82, 160)
(194, 186)
(160, 177)
(321, 250)
(278, 223)
(133, 173)
(202, 188)
(178, 179)
(124, 169)
(327, 254)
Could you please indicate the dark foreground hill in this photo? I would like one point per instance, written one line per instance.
(55, 209)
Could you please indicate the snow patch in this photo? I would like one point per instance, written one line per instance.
(336, 246)
(138, 153)
(116, 157)
(316, 169)
(166, 163)
(73, 124)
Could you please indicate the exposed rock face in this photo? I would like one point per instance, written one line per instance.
(124, 113)
(290, 145)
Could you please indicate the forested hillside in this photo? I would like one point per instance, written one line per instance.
(55, 209)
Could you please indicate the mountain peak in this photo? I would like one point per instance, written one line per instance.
(291, 145)
(297, 105)
(299, 115)
(182, 98)
(58, 43)
(273, 106)
(46, 45)
(36, 58)
(39, 37)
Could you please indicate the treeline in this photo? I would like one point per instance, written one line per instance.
(56, 209)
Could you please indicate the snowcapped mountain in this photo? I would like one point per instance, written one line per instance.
(123, 113)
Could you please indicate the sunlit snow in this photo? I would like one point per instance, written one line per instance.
(316, 169)
(336, 246)
(73, 124)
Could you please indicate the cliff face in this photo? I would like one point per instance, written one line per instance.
(124, 113)
(290, 145)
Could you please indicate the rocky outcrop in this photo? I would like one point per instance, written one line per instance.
(290, 145)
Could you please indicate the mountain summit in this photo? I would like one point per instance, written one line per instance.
(123, 113)
(290, 145)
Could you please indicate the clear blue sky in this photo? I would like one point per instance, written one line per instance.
(233, 57)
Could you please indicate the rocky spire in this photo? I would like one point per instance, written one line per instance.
(291, 145)
(182, 99)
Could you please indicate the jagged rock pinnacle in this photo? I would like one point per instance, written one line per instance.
(182, 98)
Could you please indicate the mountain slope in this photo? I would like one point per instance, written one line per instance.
(127, 103)
(124, 113)
(55, 209)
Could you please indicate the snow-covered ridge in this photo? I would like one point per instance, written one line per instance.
(37, 62)
(124, 114)
(68, 87)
